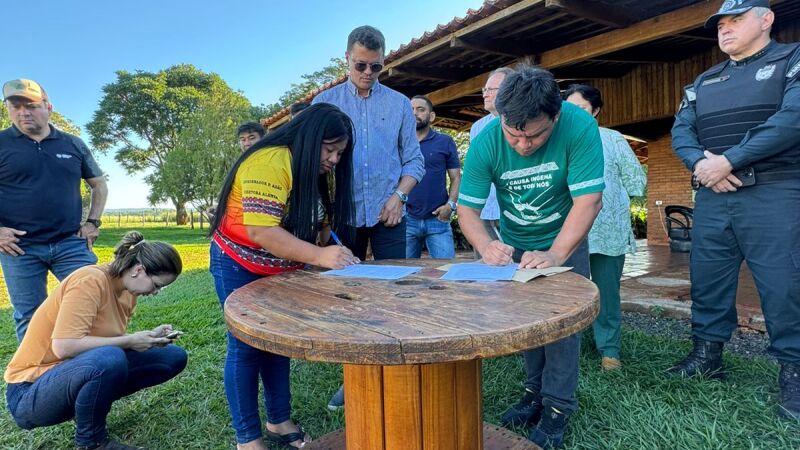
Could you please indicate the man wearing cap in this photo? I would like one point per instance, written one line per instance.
(41, 169)
(737, 131)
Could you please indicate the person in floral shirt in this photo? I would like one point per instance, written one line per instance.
(611, 236)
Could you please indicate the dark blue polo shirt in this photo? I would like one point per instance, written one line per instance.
(40, 183)
(440, 154)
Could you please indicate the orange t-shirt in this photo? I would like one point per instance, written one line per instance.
(84, 304)
(258, 197)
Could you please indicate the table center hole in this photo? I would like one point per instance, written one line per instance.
(405, 295)
(408, 282)
(345, 296)
(437, 288)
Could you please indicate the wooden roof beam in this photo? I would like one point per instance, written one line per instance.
(458, 90)
(484, 46)
(591, 11)
(665, 25)
(424, 73)
(469, 29)
(675, 22)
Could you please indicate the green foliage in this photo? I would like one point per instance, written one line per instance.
(633, 408)
(204, 152)
(142, 114)
(639, 213)
(336, 69)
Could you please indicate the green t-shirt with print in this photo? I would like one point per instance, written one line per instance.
(535, 192)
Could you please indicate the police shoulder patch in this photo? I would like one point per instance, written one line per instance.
(793, 71)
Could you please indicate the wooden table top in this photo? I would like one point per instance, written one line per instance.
(414, 320)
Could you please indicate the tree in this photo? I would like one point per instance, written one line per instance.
(142, 114)
(208, 145)
(335, 70)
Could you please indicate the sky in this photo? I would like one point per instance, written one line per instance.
(73, 48)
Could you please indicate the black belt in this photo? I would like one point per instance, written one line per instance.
(777, 176)
(757, 177)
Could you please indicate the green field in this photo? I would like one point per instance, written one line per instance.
(636, 408)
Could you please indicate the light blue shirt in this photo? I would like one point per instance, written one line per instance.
(490, 211)
(385, 146)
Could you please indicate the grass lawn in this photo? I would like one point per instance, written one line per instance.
(636, 408)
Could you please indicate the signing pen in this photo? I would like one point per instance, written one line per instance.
(336, 238)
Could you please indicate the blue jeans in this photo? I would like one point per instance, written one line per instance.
(245, 364)
(437, 235)
(552, 370)
(84, 388)
(26, 275)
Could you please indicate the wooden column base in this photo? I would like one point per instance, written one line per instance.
(417, 407)
(494, 438)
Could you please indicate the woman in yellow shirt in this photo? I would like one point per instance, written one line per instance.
(77, 359)
(267, 223)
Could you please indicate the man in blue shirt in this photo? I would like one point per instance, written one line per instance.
(430, 205)
(387, 162)
(41, 169)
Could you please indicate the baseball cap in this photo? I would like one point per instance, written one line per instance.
(733, 8)
(24, 88)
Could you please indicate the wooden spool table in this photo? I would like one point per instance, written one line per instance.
(411, 348)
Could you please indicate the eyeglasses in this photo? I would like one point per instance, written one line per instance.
(362, 66)
(488, 90)
(527, 137)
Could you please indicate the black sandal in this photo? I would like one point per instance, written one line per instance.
(288, 438)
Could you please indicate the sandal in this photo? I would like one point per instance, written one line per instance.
(288, 438)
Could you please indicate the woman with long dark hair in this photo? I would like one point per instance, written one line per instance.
(77, 358)
(274, 202)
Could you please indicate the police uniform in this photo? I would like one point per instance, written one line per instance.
(749, 111)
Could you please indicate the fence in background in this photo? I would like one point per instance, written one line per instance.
(166, 219)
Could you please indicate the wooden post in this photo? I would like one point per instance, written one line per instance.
(363, 386)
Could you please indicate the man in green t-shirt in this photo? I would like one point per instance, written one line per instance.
(545, 158)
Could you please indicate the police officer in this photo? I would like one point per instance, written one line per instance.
(737, 131)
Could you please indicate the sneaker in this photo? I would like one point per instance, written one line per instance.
(110, 444)
(549, 434)
(789, 382)
(705, 359)
(337, 401)
(609, 363)
(525, 412)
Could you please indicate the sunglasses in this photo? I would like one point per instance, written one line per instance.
(362, 66)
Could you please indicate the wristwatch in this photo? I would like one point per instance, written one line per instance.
(403, 196)
(452, 205)
(95, 222)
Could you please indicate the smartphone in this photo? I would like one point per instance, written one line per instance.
(747, 176)
(175, 334)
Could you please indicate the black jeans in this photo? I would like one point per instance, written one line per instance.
(85, 386)
(387, 242)
(552, 370)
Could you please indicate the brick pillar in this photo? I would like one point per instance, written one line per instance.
(668, 181)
